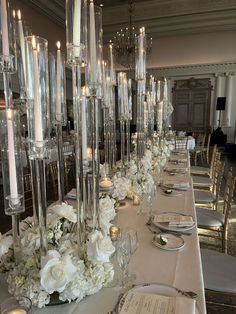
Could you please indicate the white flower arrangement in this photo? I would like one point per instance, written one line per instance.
(61, 270)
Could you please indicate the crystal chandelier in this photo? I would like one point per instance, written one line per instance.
(125, 40)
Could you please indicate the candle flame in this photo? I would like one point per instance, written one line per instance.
(89, 152)
(19, 14)
(58, 45)
(34, 42)
(142, 30)
(9, 114)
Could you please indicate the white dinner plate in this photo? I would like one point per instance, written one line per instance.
(173, 242)
(165, 226)
(156, 289)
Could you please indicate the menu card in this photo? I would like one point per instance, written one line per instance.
(143, 303)
(174, 220)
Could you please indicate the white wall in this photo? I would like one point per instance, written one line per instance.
(193, 49)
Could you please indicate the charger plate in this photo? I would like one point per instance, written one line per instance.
(155, 288)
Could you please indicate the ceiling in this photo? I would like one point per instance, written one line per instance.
(160, 17)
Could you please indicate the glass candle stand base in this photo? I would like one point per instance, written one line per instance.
(16, 305)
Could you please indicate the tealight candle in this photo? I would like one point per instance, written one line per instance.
(136, 200)
(16, 311)
(16, 305)
(114, 232)
(105, 183)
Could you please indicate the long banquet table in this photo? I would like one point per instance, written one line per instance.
(181, 269)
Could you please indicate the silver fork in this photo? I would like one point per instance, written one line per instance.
(188, 294)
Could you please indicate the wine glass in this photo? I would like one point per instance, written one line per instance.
(151, 194)
(133, 240)
(123, 255)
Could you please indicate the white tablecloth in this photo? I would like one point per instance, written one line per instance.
(181, 269)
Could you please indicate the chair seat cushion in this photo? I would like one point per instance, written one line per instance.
(199, 170)
(209, 218)
(202, 181)
(219, 271)
(204, 197)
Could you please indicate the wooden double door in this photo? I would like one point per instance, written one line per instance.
(191, 101)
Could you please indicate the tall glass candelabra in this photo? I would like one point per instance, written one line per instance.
(112, 111)
(58, 111)
(76, 21)
(38, 126)
(140, 74)
(84, 42)
(10, 128)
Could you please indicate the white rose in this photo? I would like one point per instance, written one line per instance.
(30, 240)
(106, 207)
(132, 167)
(121, 188)
(56, 271)
(65, 211)
(99, 247)
(5, 243)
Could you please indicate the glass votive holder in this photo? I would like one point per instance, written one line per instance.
(114, 232)
(16, 305)
(136, 200)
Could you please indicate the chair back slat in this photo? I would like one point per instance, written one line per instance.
(181, 143)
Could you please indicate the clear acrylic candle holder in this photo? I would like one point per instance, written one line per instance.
(8, 61)
(94, 53)
(140, 56)
(58, 112)
(16, 305)
(76, 31)
(11, 155)
(22, 30)
(111, 63)
(37, 96)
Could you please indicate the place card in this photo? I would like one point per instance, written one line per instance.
(144, 303)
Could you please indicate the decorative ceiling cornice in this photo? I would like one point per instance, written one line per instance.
(212, 69)
(161, 18)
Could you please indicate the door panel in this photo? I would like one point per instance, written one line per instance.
(191, 101)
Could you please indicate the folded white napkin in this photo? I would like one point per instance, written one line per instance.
(144, 303)
(181, 185)
(177, 185)
(177, 170)
(179, 160)
(72, 194)
(174, 220)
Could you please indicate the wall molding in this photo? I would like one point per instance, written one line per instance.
(211, 69)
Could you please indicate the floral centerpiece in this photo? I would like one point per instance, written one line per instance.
(61, 270)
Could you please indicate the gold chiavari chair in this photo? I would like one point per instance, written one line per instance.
(198, 150)
(217, 221)
(181, 142)
(211, 198)
(203, 182)
(204, 171)
(69, 175)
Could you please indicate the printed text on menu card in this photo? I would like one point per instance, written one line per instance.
(142, 303)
